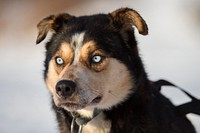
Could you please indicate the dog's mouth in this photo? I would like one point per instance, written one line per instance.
(72, 106)
(95, 101)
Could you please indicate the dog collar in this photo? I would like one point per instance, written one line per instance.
(80, 121)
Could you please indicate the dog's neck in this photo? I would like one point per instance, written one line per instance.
(85, 112)
(85, 115)
(94, 122)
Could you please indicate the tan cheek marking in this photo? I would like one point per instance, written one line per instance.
(52, 78)
(114, 83)
(117, 82)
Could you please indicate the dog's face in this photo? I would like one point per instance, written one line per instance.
(88, 58)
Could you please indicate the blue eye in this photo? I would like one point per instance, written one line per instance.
(59, 61)
(96, 59)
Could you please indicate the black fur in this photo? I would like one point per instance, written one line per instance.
(146, 110)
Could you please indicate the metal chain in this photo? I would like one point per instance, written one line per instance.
(73, 126)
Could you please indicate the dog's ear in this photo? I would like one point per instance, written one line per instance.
(126, 18)
(51, 23)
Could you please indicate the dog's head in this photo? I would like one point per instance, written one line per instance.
(90, 60)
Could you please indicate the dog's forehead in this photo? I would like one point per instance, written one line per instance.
(78, 46)
(93, 27)
(77, 40)
(86, 23)
(80, 30)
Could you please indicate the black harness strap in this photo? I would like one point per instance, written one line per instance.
(190, 107)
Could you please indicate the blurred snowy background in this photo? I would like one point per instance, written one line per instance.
(170, 51)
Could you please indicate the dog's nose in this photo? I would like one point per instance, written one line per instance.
(65, 88)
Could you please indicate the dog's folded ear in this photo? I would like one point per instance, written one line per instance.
(51, 23)
(126, 18)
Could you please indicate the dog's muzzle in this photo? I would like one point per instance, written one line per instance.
(65, 88)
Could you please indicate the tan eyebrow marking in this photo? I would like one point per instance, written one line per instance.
(66, 53)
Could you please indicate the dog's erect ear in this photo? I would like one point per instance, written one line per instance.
(127, 18)
(51, 23)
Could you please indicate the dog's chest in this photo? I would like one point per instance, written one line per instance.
(97, 125)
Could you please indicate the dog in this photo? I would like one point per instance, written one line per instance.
(96, 77)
